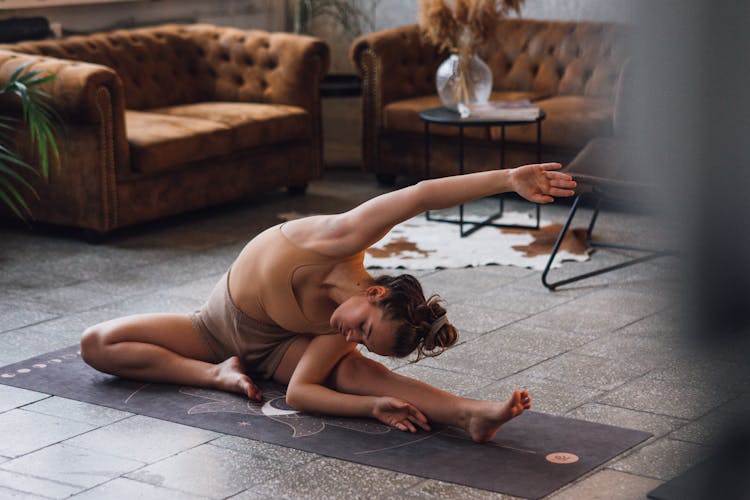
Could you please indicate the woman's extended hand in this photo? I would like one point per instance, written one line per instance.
(399, 414)
(540, 183)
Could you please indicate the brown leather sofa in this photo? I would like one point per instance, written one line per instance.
(568, 68)
(168, 119)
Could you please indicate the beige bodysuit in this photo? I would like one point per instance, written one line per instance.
(271, 316)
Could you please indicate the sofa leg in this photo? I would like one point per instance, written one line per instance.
(388, 180)
(297, 189)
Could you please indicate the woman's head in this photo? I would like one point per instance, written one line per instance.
(393, 318)
(420, 323)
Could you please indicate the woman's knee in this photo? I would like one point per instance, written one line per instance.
(93, 344)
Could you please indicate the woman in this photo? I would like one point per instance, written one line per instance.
(297, 301)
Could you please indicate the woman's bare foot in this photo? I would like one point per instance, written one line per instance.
(231, 377)
(488, 416)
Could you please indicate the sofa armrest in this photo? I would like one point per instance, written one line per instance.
(394, 64)
(397, 63)
(88, 97)
(81, 93)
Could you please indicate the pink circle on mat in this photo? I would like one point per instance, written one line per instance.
(8, 375)
(55, 360)
(23, 370)
(40, 365)
(561, 457)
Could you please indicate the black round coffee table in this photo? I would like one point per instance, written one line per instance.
(444, 116)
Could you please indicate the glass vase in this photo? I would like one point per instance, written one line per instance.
(463, 80)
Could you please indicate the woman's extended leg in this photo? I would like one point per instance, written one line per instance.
(161, 348)
(356, 374)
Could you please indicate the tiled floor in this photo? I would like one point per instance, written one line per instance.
(607, 350)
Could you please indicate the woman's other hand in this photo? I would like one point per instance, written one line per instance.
(399, 414)
(541, 183)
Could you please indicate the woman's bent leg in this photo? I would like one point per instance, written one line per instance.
(356, 374)
(161, 348)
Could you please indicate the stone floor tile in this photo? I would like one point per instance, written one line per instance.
(699, 370)
(197, 289)
(572, 318)
(72, 326)
(143, 438)
(25, 431)
(67, 299)
(663, 459)
(547, 342)
(644, 351)
(709, 430)
(35, 485)
(13, 397)
(547, 396)
(17, 495)
(25, 343)
(586, 371)
(72, 465)
(155, 302)
(470, 319)
(212, 471)
(458, 285)
(17, 313)
(487, 356)
(609, 300)
(127, 489)
(662, 324)
(77, 410)
(330, 478)
(26, 279)
(512, 298)
(249, 447)
(666, 398)
(658, 425)
(431, 488)
(457, 383)
(609, 485)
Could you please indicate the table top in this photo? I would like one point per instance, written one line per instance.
(446, 116)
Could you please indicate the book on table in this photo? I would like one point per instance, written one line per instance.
(521, 109)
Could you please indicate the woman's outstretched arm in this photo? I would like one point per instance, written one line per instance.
(307, 389)
(365, 224)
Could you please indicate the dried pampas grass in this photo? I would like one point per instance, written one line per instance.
(463, 24)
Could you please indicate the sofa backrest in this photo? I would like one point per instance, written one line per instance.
(557, 57)
(176, 64)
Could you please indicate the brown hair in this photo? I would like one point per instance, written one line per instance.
(405, 303)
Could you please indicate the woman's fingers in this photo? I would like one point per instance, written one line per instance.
(561, 192)
(419, 418)
(550, 166)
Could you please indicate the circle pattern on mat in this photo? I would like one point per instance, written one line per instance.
(561, 457)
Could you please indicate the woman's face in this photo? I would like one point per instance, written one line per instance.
(359, 319)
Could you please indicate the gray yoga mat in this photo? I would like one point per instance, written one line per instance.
(532, 455)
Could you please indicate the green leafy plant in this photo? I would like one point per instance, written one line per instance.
(43, 125)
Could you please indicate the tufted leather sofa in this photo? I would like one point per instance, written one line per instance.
(569, 69)
(167, 119)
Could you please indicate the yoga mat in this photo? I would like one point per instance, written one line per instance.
(531, 456)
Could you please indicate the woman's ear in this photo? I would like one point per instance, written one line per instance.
(376, 292)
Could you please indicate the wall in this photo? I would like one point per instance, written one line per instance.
(391, 13)
(248, 14)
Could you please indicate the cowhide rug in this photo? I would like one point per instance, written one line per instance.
(422, 244)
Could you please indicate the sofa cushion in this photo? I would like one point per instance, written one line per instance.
(159, 142)
(403, 116)
(251, 124)
(571, 122)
